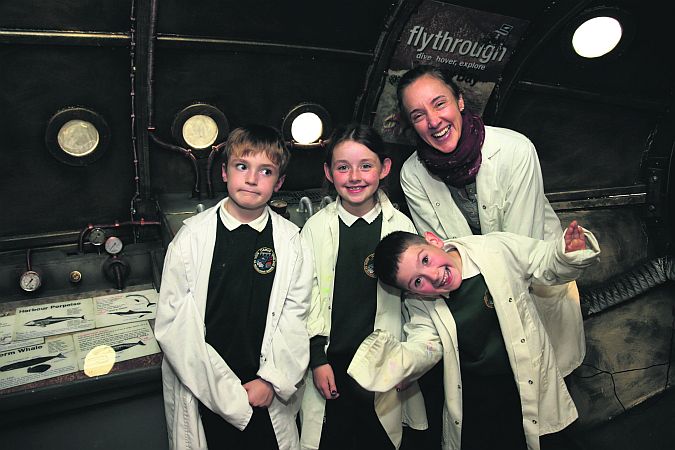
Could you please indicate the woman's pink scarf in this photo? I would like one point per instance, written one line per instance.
(460, 167)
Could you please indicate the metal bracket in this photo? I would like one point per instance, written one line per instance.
(655, 175)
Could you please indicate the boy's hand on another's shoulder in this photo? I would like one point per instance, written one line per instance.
(574, 238)
(260, 393)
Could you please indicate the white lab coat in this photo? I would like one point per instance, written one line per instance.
(322, 234)
(192, 370)
(510, 195)
(509, 263)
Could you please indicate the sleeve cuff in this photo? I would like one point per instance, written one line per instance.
(317, 352)
(581, 258)
(370, 361)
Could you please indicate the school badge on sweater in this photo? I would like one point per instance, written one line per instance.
(488, 300)
(264, 260)
(369, 265)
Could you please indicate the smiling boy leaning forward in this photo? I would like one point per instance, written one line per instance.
(502, 385)
(232, 310)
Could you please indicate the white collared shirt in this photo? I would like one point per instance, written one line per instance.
(232, 223)
(469, 268)
(349, 218)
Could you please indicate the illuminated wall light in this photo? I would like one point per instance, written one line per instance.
(306, 128)
(597, 37)
(307, 125)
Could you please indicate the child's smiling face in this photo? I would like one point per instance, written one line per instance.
(427, 269)
(356, 171)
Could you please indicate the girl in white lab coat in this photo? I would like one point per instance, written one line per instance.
(348, 302)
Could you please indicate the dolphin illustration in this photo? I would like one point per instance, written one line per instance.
(121, 347)
(130, 313)
(49, 320)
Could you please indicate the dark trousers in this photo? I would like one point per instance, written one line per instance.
(431, 385)
(492, 413)
(350, 420)
(490, 420)
(220, 435)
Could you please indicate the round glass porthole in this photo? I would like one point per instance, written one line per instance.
(77, 136)
(200, 131)
(199, 126)
(306, 125)
(597, 37)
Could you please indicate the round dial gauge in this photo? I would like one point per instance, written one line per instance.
(30, 281)
(75, 276)
(97, 236)
(113, 245)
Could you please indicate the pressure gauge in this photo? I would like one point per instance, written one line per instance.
(75, 276)
(113, 245)
(30, 281)
(97, 236)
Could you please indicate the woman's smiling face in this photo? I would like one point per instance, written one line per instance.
(434, 112)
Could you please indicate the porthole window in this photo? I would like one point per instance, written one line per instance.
(77, 136)
(199, 126)
(200, 131)
(306, 125)
(598, 34)
(597, 37)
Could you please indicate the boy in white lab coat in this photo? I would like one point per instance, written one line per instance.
(231, 318)
(503, 388)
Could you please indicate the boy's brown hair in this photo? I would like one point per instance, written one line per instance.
(250, 139)
(388, 255)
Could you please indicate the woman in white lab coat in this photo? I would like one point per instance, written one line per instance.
(467, 178)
